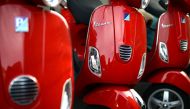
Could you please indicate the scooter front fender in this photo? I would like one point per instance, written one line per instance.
(178, 79)
(114, 98)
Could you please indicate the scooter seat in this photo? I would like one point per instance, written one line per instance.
(82, 9)
(155, 7)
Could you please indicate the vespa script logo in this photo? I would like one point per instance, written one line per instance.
(98, 24)
(166, 25)
(21, 24)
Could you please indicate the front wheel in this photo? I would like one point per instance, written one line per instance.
(166, 97)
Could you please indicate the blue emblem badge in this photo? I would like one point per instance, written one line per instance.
(127, 17)
(21, 24)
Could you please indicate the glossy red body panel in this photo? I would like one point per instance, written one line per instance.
(44, 53)
(171, 77)
(171, 36)
(114, 97)
(108, 38)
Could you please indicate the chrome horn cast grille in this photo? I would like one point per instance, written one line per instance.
(183, 45)
(125, 52)
(24, 90)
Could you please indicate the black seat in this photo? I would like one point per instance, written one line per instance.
(156, 8)
(82, 9)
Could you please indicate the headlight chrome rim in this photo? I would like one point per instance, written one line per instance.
(95, 71)
(67, 95)
(142, 66)
(163, 52)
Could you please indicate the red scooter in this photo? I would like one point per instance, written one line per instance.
(169, 53)
(109, 45)
(36, 70)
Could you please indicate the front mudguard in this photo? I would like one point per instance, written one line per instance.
(178, 79)
(113, 98)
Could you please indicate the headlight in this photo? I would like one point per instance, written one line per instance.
(138, 99)
(52, 3)
(163, 52)
(94, 61)
(142, 67)
(144, 3)
(67, 95)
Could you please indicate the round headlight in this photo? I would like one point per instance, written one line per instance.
(52, 3)
(67, 95)
(163, 52)
(94, 61)
(142, 66)
(144, 3)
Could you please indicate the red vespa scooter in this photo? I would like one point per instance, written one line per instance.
(35, 56)
(109, 53)
(168, 56)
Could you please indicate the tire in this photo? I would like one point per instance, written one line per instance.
(188, 71)
(165, 97)
(96, 107)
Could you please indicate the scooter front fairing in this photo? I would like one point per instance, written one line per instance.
(115, 48)
(116, 42)
(35, 58)
(171, 42)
